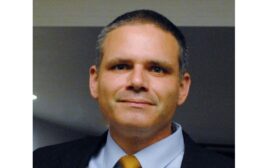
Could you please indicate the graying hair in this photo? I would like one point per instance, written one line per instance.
(144, 16)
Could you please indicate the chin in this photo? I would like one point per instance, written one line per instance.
(139, 124)
(139, 120)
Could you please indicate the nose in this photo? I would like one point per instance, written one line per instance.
(137, 80)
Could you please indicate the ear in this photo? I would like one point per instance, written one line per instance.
(93, 82)
(184, 88)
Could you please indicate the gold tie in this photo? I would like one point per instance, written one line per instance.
(129, 161)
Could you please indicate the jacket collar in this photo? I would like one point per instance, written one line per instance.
(192, 153)
(92, 146)
(80, 157)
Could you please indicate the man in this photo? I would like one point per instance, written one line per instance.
(139, 80)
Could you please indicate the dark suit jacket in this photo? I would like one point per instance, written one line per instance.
(77, 154)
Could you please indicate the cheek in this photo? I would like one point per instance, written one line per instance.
(166, 89)
(167, 93)
(109, 82)
(109, 85)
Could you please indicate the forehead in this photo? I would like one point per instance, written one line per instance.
(141, 41)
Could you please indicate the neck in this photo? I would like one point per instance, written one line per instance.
(137, 141)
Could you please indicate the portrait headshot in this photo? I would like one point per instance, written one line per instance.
(133, 85)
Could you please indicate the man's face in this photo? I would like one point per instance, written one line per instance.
(138, 85)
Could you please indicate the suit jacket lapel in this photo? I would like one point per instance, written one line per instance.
(83, 154)
(94, 149)
(191, 152)
(92, 146)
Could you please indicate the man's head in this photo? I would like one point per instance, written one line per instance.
(145, 16)
(137, 83)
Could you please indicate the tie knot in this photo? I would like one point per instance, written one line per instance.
(129, 161)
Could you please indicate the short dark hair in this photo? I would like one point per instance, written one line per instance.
(145, 16)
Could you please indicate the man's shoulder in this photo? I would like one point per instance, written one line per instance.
(213, 159)
(64, 147)
(59, 154)
(197, 156)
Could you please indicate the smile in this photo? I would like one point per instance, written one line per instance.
(137, 103)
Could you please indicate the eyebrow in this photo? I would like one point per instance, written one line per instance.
(118, 60)
(161, 63)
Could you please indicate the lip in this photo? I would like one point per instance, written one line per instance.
(136, 102)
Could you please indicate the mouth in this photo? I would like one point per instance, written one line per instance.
(137, 103)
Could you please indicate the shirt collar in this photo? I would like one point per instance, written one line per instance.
(160, 153)
(113, 152)
(164, 151)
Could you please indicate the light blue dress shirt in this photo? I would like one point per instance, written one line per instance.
(166, 153)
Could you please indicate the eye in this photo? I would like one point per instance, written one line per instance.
(157, 69)
(120, 67)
